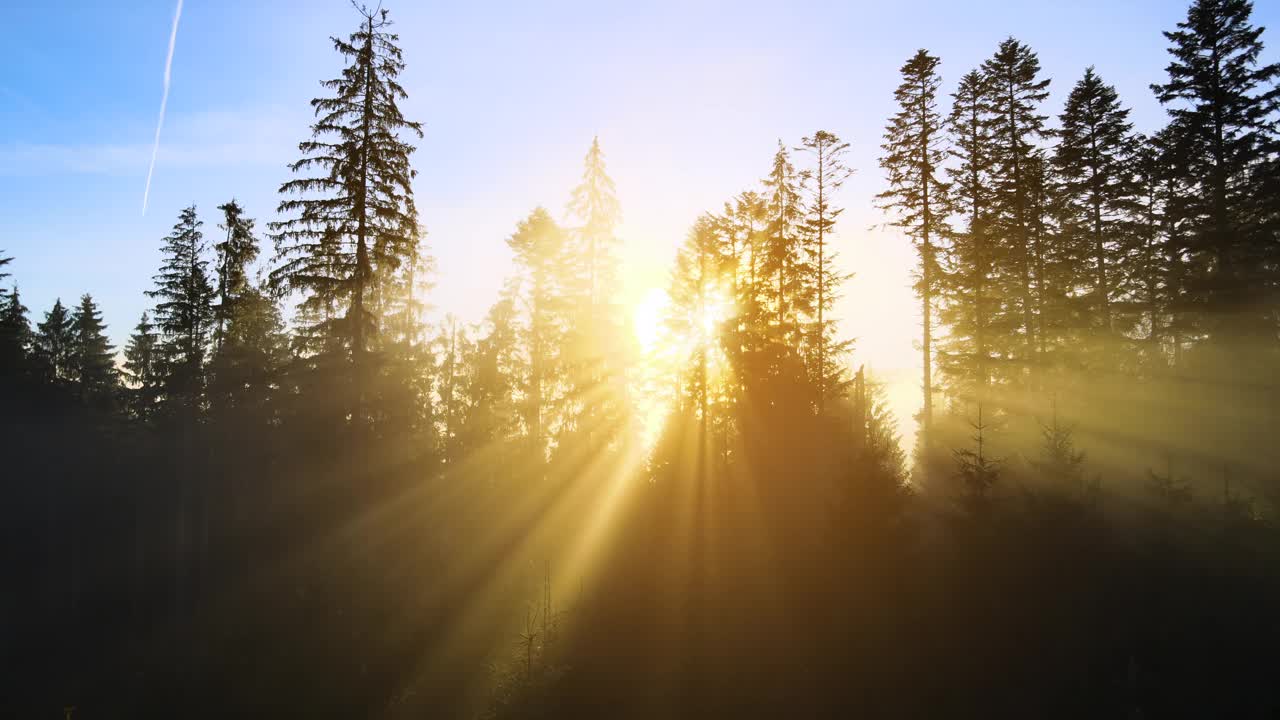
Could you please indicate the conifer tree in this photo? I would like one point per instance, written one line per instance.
(970, 296)
(977, 471)
(1222, 102)
(53, 345)
(914, 155)
(15, 336)
(1016, 94)
(143, 368)
(597, 359)
(595, 212)
(491, 417)
(351, 219)
(92, 355)
(542, 255)
(184, 311)
(245, 368)
(697, 285)
(1156, 270)
(783, 262)
(1060, 463)
(237, 250)
(823, 181)
(1094, 162)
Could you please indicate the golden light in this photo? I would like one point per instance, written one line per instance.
(651, 402)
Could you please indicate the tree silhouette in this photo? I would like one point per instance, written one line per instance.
(914, 155)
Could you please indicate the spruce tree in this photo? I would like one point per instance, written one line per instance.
(1094, 162)
(598, 357)
(977, 471)
(697, 285)
(822, 181)
(184, 311)
(53, 345)
(783, 263)
(143, 367)
(15, 336)
(1016, 94)
(595, 212)
(237, 250)
(351, 222)
(1222, 104)
(92, 355)
(491, 417)
(914, 155)
(1060, 464)
(542, 255)
(971, 298)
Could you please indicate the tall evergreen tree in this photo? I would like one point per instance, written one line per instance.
(353, 222)
(15, 336)
(971, 297)
(92, 355)
(595, 212)
(184, 311)
(1016, 94)
(823, 181)
(54, 341)
(1094, 161)
(237, 250)
(542, 255)
(1223, 104)
(783, 261)
(598, 355)
(914, 155)
(697, 286)
(143, 366)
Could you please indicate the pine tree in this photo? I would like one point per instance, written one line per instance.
(353, 223)
(1222, 104)
(595, 211)
(823, 181)
(15, 336)
(234, 254)
(597, 358)
(1016, 93)
(92, 355)
(542, 256)
(971, 298)
(696, 290)
(1155, 270)
(1094, 162)
(491, 416)
(184, 311)
(977, 471)
(143, 368)
(1060, 463)
(245, 368)
(782, 261)
(914, 155)
(53, 345)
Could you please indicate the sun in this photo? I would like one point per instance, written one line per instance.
(670, 341)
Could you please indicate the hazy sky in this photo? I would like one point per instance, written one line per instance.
(688, 97)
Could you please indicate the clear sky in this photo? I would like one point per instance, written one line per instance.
(689, 98)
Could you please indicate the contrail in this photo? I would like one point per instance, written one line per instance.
(164, 100)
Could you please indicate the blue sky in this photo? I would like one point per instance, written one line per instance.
(688, 98)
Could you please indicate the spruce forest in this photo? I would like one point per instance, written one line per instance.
(297, 491)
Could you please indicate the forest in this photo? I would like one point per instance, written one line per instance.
(295, 493)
